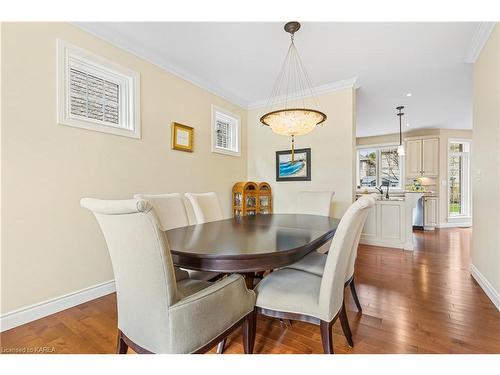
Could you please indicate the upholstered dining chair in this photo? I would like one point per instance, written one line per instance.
(205, 206)
(172, 214)
(315, 203)
(315, 262)
(299, 295)
(156, 313)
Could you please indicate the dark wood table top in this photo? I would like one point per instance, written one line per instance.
(249, 243)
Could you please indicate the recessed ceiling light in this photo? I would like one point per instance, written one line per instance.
(408, 94)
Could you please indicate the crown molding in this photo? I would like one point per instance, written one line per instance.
(208, 86)
(173, 69)
(479, 39)
(318, 90)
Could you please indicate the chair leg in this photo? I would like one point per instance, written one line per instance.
(221, 345)
(355, 295)
(326, 336)
(249, 328)
(344, 322)
(121, 345)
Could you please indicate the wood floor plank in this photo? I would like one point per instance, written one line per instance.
(423, 301)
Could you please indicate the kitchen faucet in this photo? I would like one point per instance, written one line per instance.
(381, 191)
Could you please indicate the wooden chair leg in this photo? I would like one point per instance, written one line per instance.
(121, 345)
(345, 325)
(249, 328)
(355, 295)
(326, 336)
(220, 346)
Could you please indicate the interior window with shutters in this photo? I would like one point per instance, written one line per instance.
(96, 94)
(225, 132)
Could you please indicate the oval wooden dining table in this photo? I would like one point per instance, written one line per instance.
(249, 244)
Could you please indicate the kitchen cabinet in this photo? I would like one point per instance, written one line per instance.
(414, 158)
(389, 222)
(430, 212)
(422, 158)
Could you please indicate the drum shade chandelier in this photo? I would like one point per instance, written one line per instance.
(292, 99)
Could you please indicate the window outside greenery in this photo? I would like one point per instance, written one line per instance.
(377, 166)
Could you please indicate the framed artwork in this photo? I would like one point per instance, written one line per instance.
(299, 170)
(182, 137)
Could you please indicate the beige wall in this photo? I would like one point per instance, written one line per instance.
(486, 162)
(51, 246)
(440, 184)
(332, 154)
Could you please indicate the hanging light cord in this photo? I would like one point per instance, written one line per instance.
(400, 114)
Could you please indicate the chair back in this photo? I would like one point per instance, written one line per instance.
(205, 207)
(143, 269)
(332, 284)
(314, 202)
(169, 208)
(354, 251)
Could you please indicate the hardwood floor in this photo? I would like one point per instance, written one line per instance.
(413, 302)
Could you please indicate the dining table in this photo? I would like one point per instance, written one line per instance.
(249, 244)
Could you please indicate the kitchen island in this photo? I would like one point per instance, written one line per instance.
(390, 221)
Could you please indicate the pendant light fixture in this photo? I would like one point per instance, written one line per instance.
(401, 149)
(293, 108)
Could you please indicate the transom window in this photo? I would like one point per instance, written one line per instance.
(96, 94)
(225, 132)
(379, 166)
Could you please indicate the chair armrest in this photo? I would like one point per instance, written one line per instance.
(201, 317)
(228, 285)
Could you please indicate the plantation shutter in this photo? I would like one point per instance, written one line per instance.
(93, 97)
(224, 135)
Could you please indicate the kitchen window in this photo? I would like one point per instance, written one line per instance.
(379, 166)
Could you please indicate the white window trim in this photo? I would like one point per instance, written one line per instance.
(379, 147)
(215, 149)
(129, 82)
(467, 215)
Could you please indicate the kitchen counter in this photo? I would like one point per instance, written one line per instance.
(390, 221)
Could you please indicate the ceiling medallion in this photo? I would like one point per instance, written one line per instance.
(292, 99)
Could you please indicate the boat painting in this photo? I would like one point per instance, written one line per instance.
(299, 170)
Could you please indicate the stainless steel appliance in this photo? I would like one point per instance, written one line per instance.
(418, 215)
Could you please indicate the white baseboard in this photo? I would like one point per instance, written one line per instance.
(464, 224)
(39, 310)
(383, 243)
(492, 294)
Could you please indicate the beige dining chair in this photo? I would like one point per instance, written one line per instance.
(299, 295)
(156, 313)
(171, 213)
(315, 203)
(205, 206)
(315, 262)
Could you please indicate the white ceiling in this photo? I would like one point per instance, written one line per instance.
(240, 61)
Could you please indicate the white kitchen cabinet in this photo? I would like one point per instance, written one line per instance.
(422, 158)
(430, 212)
(384, 224)
(414, 158)
(430, 157)
(389, 222)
